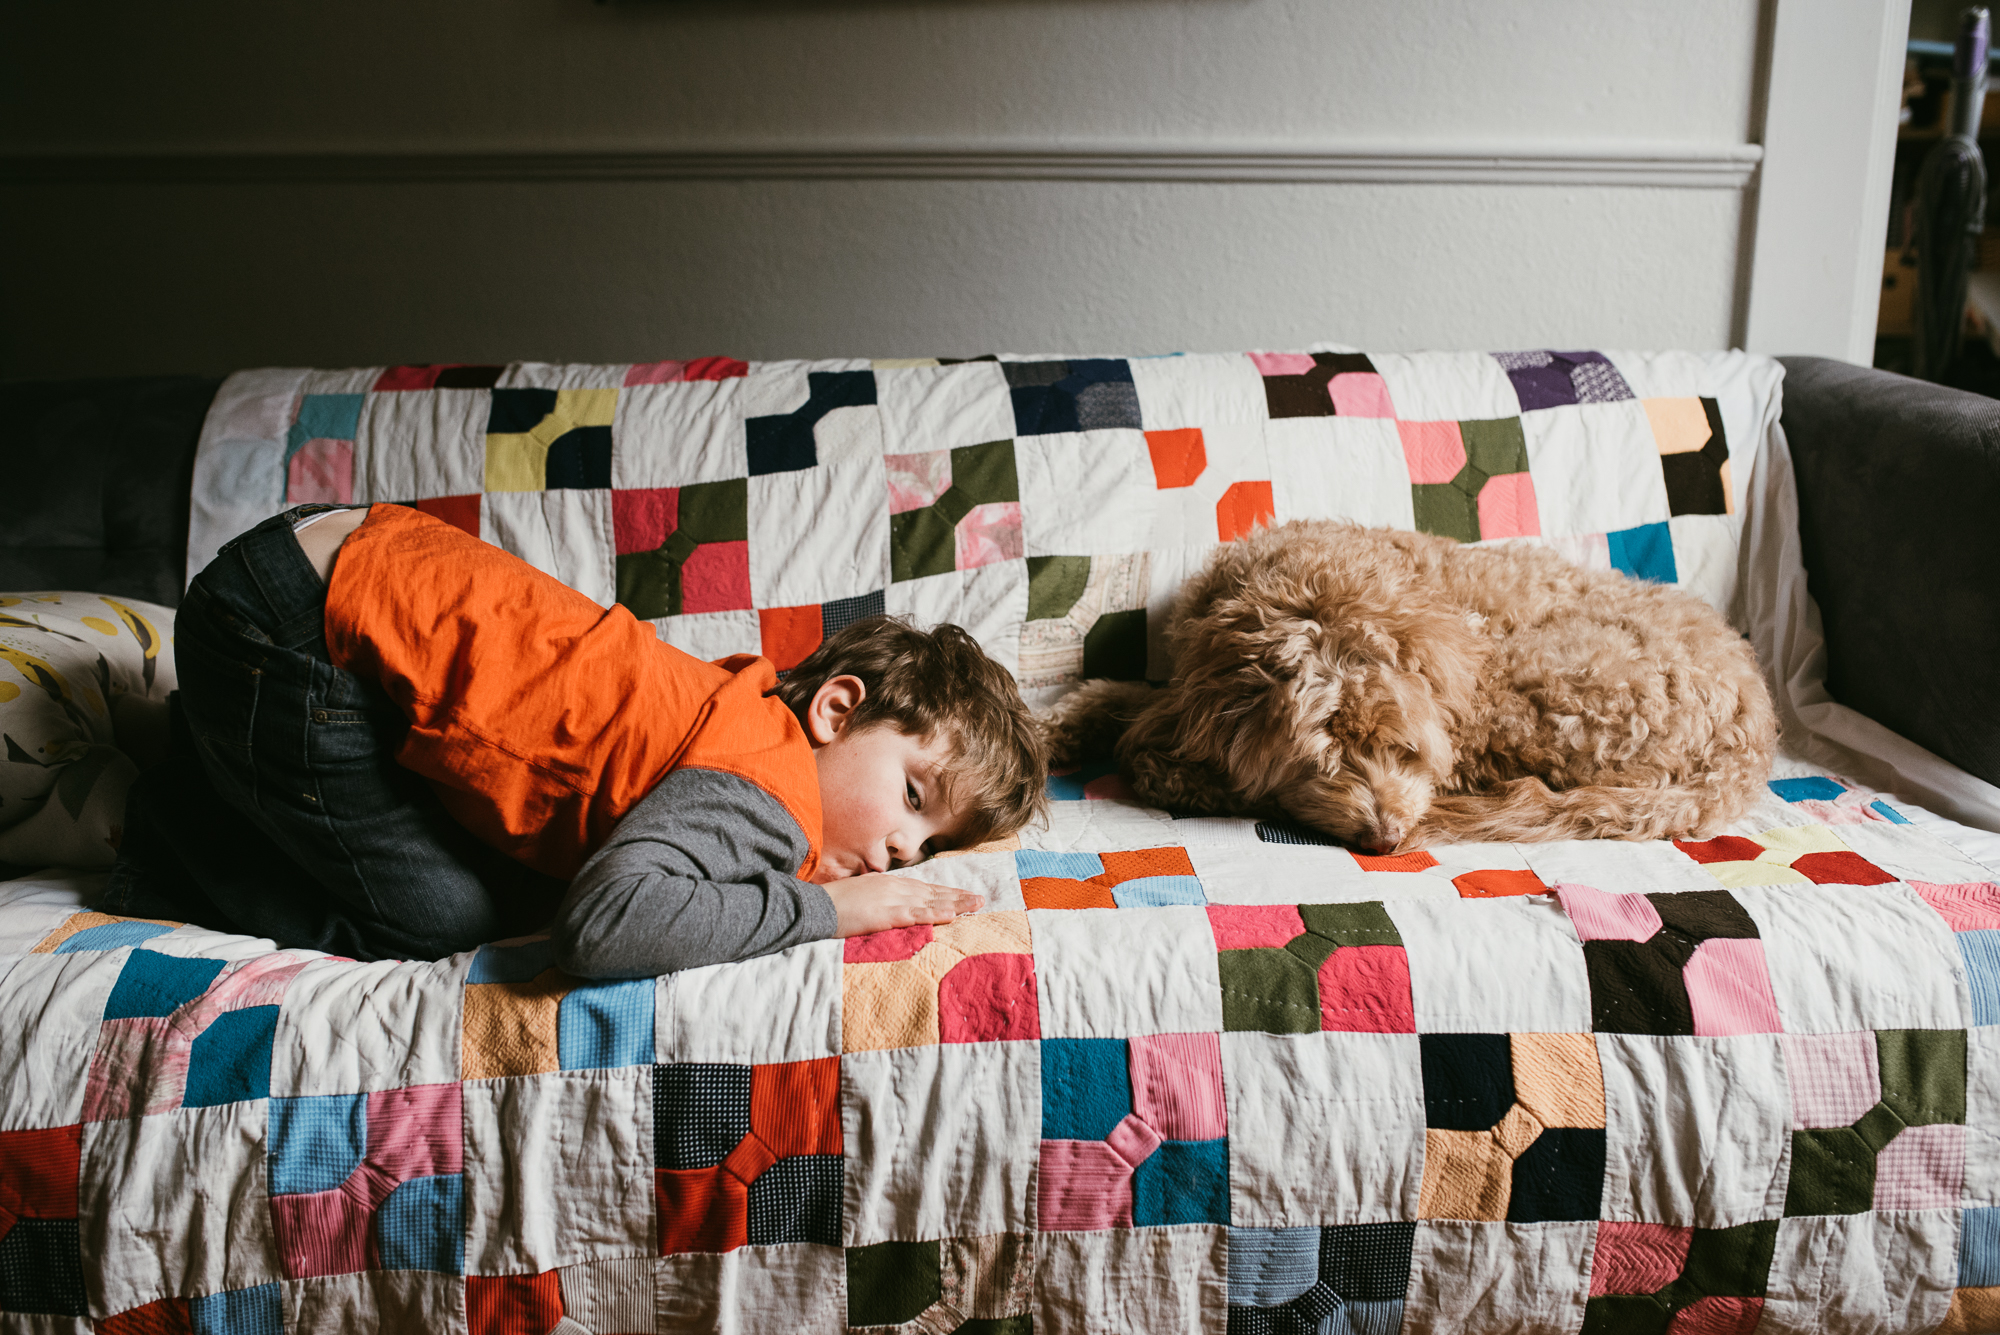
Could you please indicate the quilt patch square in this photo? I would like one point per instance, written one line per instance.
(1322, 384)
(967, 981)
(1469, 480)
(1907, 979)
(953, 509)
(1654, 1277)
(1083, 394)
(1486, 1276)
(190, 1032)
(1325, 1126)
(368, 1181)
(675, 433)
(898, 1106)
(792, 1112)
(347, 1027)
(698, 559)
(1086, 618)
(1109, 1158)
(1725, 1168)
(1694, 455)
(1904, 1152)
(1298, 969)
(794, 562)
(818, 430)
(1291, 1278)
(1163, 978)
(1672, 964)
(549, 439)
(1199, 389)
(1495, 1151)
(1493, 965)
(524, 1016)
(226, 1243)
(41, 1266)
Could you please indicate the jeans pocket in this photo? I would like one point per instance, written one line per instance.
(351, 754)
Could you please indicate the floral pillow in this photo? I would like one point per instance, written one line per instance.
(83, 679)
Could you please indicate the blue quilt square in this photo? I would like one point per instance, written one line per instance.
(1979, 1248)
(156, 984)
(1811, 788)
(606, 1025)
(1182, 1182)
(231, 1059)
(1645, 552)
(1981, 953)
(254, 1311)
(422, 1225)
(1086, 1087)
(316, 1141)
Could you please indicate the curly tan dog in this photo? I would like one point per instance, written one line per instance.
(1395, 688)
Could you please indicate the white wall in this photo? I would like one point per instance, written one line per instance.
(287, 255)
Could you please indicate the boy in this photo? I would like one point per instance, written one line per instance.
(396, 741)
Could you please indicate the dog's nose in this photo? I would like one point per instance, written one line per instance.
(1386, 835)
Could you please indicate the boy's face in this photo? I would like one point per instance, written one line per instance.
(881, 798)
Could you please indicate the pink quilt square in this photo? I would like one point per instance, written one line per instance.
(642, 518)
(1598, 916)
(1507, 507)
(1834, 1078)
(1434, 451)
(416, 1132)
(1282, 363)
(1729, 989)
(1177, 1085)
(1366, 990)
(1248, 926)
(322, 470)
(716, 578)
(1923, 1168)
(990, 533)
(1360, 394)
(1637, 1258)
(1970, 906)
(917, 480)
(1083, 1184)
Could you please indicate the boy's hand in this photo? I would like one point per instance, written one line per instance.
(877, 902)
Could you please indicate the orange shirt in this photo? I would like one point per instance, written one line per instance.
(539, 717)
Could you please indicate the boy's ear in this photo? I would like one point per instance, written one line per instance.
(831, 708)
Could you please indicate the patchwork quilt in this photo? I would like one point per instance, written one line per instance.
(1184, 1073)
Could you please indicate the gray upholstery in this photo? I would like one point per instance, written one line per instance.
(1899, 519)
(94, 478)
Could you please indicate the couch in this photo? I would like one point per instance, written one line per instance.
(1187, 1073)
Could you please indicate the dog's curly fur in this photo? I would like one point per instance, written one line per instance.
(1395, 689)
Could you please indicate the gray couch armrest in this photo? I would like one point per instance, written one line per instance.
(1899, 528)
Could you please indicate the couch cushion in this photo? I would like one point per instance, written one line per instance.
(78, 671)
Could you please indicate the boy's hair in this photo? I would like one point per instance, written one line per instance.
(935, 682)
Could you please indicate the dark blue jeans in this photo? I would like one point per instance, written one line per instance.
(281, 810)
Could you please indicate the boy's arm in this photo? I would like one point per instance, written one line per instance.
(691, 876)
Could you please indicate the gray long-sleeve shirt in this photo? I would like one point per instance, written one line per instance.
(696, 873)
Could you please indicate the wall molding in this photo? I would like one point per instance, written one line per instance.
(1712, 167)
